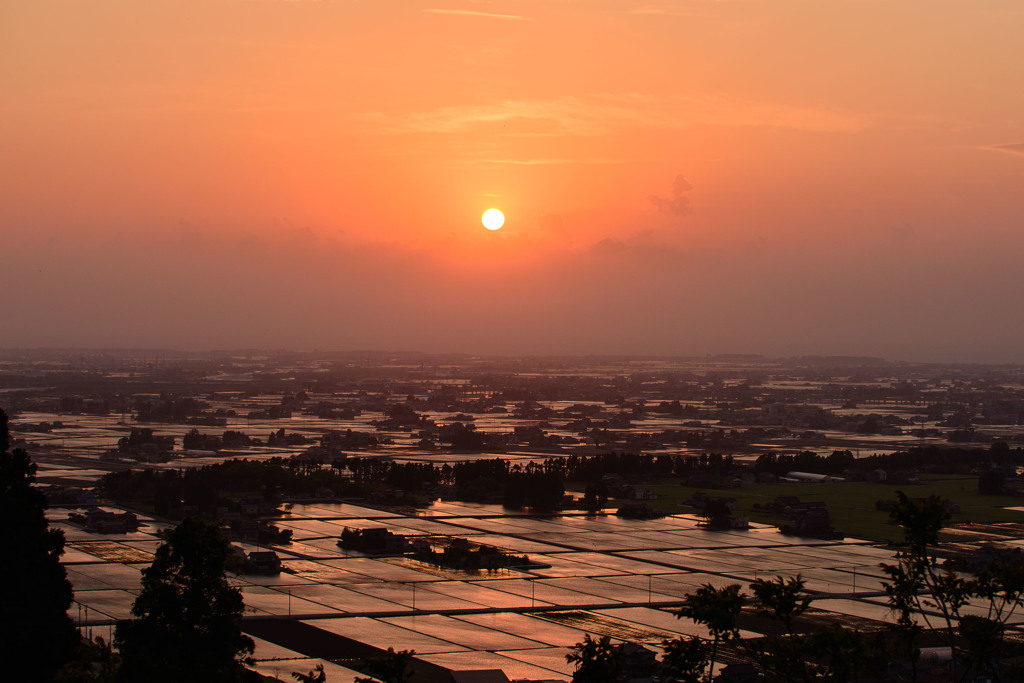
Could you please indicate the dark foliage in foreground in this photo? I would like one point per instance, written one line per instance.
(188, 617)
(36, 635)
(930, 603)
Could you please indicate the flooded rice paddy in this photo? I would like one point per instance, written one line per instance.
(601, 575)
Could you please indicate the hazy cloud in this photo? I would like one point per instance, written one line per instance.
(471, 13)
(678, 204)
(1009, 149)
(628, 294)
(902, 235)
(644, 246)
(551, 223)
(609, 246)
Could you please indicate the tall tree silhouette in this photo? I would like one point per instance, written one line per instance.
(717, 609)
(597, 661)
(36, 635)
(188, 625)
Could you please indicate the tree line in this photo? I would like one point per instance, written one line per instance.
(536, 484)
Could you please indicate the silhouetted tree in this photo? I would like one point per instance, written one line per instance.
(918, 585)
(916, 574)
(1002, 584)
(597, 661)
(843, 651)
(991, 482)
(36, 635)
(716, 513)
(783, 601)
(317, 675)
(95, 661)
(595, 496)
(685, 659)
(468, 440)
(389, 667)
(538, 490)
(188, 625)
(717, 609)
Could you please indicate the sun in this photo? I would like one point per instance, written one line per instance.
(493, 219)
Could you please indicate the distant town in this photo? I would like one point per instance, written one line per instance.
(526, 508)
(126, 407)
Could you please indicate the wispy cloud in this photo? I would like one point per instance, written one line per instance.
(472, 13)
(551, 162)
(1017, 148)
(566, 115)
(601, 114)
(670, 10)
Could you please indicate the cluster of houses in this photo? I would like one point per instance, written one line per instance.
(804, 518)
(263, 562)
(101, 521)
(718, 513)
(618, 488)
(248, 506)
(242, 521)
(258, 531)
(374, 541)
(637, 509)
(459, 553)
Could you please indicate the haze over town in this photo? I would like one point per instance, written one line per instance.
(678, 178)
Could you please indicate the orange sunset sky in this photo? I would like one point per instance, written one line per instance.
(735, 176)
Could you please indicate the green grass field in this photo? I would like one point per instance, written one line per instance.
(851, 505)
